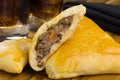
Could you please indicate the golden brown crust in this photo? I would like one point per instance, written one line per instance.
(89, 51)
(13, 55)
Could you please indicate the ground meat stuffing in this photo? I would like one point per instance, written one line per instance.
(49, 38)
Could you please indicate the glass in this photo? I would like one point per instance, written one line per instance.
(13, 12)
(14, 15)
(45, 9)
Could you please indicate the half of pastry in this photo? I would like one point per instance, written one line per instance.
(89, 51)
(13, 55)
(52, 34)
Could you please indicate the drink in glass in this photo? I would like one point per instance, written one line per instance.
(13, 11)
(45, 9)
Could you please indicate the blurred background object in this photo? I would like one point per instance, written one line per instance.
(113, 2)
(14, 16)
(13, 12)
(45, 9)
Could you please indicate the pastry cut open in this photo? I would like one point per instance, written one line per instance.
(52, 34)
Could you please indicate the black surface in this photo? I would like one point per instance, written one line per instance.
(106, 16)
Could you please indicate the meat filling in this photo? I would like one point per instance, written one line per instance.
(51, 37)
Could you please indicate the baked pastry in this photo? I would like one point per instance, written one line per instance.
(13, 55)
(52, 34)
(89, 51)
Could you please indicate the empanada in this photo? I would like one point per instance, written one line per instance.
(13, 55)
(89, 51)
(52, 34)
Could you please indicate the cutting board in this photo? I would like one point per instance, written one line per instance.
(29, 74)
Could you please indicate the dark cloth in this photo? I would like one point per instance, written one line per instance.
(106, 16)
